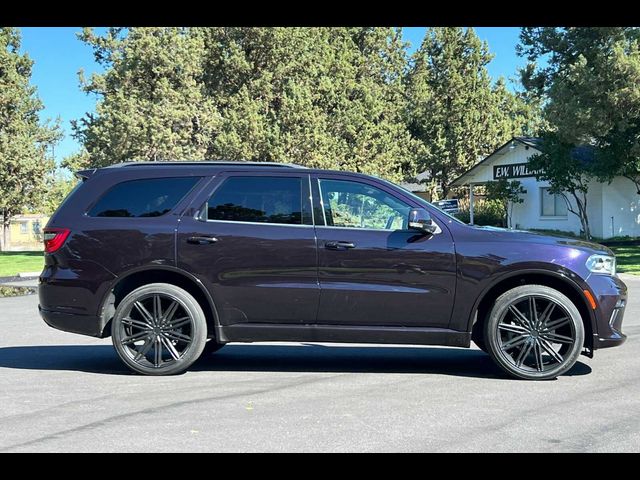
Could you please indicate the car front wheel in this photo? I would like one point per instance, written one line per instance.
(159, 329)
(534, 332)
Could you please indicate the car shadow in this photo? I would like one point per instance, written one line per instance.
(102, 359)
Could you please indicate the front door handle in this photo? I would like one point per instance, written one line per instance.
(202, 240)
(339, 245)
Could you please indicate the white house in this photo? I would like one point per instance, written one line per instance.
(613, 208)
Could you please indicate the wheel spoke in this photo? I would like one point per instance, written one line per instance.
(157, 310)
(555, 324)
(520, 317)
(144, 312)
(177, 323)
(158, 352)
(524, 353)
(136, 323)
(169, 312)
(510, 327)
(172, 350)
(134, 338)
(556, 338)
(514, 342)
(179, 337)
(546, 314)
(549, 349)
(538, 353)
(533, 312)
(145, 348)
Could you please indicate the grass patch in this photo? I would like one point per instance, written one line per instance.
(628, 258)
(12, 263)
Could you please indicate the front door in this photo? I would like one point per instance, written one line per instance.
(252, 244)
(372, 269)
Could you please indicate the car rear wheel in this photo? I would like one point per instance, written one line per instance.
(534, 332)
(159, 329)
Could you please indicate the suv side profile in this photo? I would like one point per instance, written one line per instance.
(173, 259)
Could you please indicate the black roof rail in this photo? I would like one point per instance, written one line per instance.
(211, 163)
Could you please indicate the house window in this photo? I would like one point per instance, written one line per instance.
(24, 228)
(552, 205)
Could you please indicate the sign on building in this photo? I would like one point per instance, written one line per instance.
(513, 170)
(450, 206)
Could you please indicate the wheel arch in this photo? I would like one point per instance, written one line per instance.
(133, 279)
(552, 279)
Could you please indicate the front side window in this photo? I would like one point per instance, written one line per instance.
(359, 205)
(552, 205)
(151, 197)
(258, 199)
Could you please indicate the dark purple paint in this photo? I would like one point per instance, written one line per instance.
(279, 282)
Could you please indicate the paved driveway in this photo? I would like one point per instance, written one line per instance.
(63, 392)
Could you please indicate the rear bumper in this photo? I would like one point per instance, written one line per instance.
(72, 322)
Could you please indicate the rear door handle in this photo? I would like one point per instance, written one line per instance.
(202, 240)
(339, 245)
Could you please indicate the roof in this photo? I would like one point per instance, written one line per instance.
(212, 163)
(532, 142)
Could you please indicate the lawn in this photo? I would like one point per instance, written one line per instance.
(12, 263)
(628, 258)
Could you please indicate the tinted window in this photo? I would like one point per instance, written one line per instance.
(359, 205)
(151, 197)
(257, 199)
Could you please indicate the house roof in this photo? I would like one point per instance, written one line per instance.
(532, 142)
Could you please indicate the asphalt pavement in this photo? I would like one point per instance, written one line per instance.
(68, 393)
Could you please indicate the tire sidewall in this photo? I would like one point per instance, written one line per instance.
(503, 302)
(190, 304)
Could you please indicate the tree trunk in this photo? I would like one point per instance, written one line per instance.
(6, 236)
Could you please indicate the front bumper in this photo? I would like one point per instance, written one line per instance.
(611, 298)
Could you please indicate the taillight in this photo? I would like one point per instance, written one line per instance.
(54, 238)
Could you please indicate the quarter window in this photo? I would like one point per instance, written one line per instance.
(552, 205)
(151, 197)
(258, 199)
(359, 205)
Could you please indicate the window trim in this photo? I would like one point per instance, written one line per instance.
(201, 212)
(187, 194)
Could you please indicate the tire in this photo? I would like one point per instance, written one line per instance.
(538, 343)
(159, 329)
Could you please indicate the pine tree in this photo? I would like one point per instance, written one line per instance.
(24, 142)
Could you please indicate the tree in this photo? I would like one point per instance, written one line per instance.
(567, 169)
(507, 192)
(454, 113)
(590, 83)
(321, 97)
(24, 143)
(151, 104)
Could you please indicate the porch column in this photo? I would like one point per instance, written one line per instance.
(471, 204)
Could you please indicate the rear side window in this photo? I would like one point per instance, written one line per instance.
(151, 197)
(258, 199)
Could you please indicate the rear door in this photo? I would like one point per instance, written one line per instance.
(252, 244)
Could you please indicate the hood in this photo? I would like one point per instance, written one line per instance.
(504, 234)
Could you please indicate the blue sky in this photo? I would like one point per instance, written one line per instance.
(59, 55)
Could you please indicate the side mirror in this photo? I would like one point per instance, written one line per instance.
(420, 219)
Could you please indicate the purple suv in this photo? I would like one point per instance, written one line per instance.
(173, 259)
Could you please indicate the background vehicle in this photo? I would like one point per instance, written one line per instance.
(172, 259)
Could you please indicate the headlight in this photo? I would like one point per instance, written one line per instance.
(602, 264)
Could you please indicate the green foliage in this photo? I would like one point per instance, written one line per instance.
(628, 259)
(12, 263)
(321, 97)
(487, 213)
(454, 113)
(24, 142)
(507, 192)
(591, 89)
